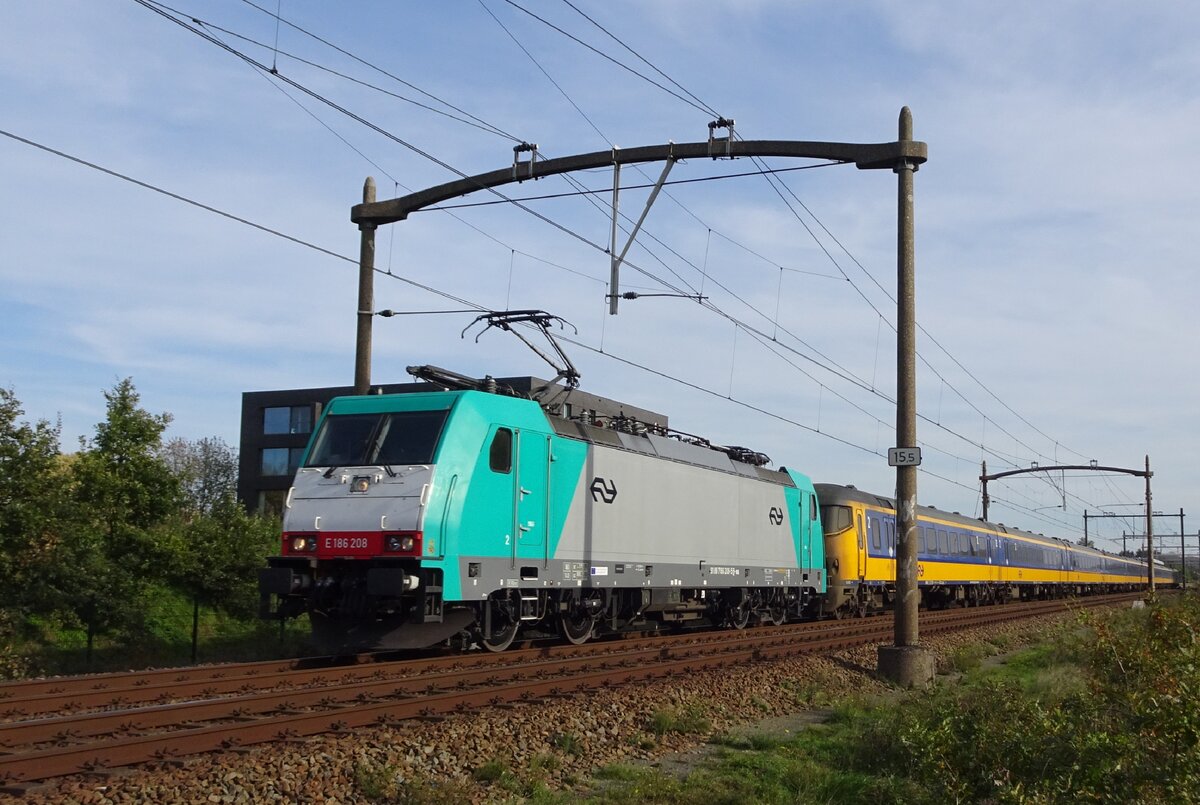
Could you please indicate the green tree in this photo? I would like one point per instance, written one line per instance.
(217, 556)
(31, 498)
(217, 548)
(33, 491)
(206, 469)
(114, 551)
(122, 474)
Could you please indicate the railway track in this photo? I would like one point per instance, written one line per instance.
(65, 726)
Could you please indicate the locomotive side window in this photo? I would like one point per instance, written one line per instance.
(873, 527)
(500, 455)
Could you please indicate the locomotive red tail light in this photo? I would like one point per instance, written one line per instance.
(408, 542)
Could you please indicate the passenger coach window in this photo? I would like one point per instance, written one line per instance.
(500, 456)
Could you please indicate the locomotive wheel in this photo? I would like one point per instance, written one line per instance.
(577, 621)
(738, 616)
(576, 627)
(505, 624)
(502, 639)
(775, 616)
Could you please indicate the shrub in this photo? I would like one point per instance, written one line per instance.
(1126, 728)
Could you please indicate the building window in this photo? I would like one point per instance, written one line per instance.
(281, 460)
(287, 419)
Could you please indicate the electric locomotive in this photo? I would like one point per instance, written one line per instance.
(960, 560)
(467, 514)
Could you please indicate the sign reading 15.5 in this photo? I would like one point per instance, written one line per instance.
(904, 456)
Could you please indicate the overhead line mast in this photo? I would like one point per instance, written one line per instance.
(905, 662)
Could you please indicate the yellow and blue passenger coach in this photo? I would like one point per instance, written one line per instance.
(959, 559)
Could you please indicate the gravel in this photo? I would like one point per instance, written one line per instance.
(559, 741)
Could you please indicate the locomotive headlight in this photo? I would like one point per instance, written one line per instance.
(403, 542)
(398, 542)
(304, 544)
(361, 483)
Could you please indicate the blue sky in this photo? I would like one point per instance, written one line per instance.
(1055, 221)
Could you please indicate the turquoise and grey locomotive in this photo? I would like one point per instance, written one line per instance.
(483, 518)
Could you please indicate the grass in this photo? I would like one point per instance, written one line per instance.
(388, 784)
(688, 719)
(764, 769)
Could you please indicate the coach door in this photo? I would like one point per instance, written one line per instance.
(862, 549)
(531, 497)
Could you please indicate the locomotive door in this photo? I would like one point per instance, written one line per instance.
(531, 496)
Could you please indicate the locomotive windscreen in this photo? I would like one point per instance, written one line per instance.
(835, 518)
(406, 437)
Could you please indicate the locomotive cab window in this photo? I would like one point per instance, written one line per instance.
(500, 454)
(402, 437)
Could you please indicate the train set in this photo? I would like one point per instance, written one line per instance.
(476, 514)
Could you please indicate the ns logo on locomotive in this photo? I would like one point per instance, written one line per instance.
(471, 515)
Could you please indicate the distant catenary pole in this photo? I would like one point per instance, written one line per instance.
(1149, 532)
